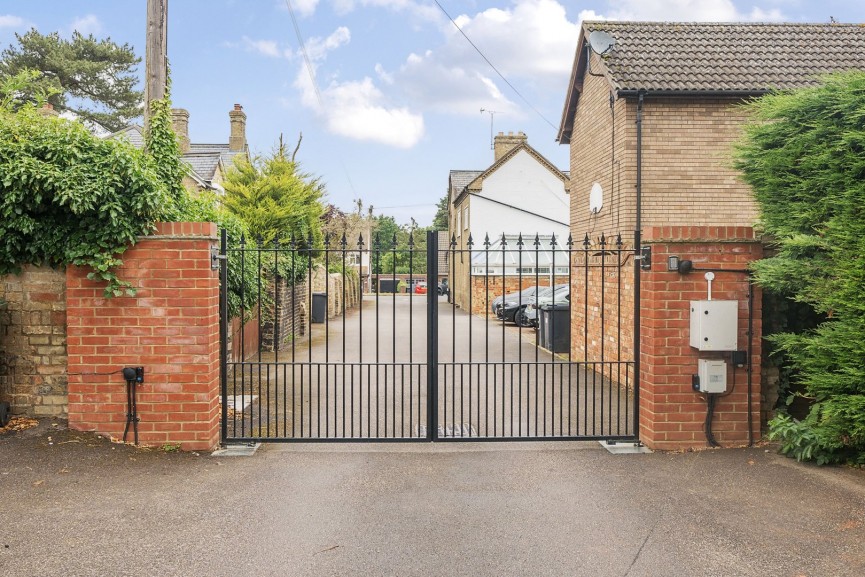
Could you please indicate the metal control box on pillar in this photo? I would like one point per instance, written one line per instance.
(714, 325)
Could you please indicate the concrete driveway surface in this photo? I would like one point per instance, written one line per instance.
(76, 504)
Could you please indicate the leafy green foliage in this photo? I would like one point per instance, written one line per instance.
(440, 220)
(804, 156)
(242, 272)
(94, 79)
(397, 249)
(67, 197)
(276, 199)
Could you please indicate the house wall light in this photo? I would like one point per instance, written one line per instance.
(681, 266)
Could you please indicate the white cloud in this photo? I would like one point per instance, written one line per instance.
(10, 21)
(317, 48)
(85, 25)
(268, 48)
(531, 43)
(356, 109)
(688, 11)
(421, 10)
(305, 7)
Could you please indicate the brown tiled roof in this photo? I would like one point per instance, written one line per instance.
(694, 58)
(736, 57)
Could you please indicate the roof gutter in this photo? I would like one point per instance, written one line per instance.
(634, 93)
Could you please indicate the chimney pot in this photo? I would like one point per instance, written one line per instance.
(504, 144)
(180, 124)
(237, 136)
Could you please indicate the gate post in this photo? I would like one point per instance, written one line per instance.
(432, 239)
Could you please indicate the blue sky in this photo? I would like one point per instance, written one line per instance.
(399, 91)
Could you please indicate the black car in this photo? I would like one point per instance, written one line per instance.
(513, 305)
(443, 289)
(521, 296)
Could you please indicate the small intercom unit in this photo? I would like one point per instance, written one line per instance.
(712, 376)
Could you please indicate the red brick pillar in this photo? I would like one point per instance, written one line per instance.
(672, 414)
(171, 328)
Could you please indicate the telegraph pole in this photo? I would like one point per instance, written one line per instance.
(156, 60)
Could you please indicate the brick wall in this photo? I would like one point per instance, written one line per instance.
(687, 174)
(671, 413)
(487, 288)
(33, 342)
(171, 328)
(602, 305)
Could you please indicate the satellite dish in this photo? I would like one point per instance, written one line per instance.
(596, 198)
(601, 42)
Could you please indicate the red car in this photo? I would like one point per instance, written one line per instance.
(420, 288)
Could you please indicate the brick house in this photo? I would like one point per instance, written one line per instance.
(651, 116)
(521, 193)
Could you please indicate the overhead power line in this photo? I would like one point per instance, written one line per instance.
(491, 65)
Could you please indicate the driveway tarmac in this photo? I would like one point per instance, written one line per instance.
(75, 504)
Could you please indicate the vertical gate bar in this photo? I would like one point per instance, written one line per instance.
(502, 303)
(432, 337)
(258, 251)
(343, 243)
(285, 400)
(223, 330)
(603, 319)
(393, 332)
(276, 334)
(292, 247)
(326, 335)
(385, 396)
(243, 289)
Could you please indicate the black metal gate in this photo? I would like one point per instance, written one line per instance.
(351, 341)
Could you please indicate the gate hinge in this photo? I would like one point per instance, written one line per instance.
(215, 257)
(645, 257)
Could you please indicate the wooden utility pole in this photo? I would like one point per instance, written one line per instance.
(156, 60)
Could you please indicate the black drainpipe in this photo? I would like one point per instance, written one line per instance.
(637, 262)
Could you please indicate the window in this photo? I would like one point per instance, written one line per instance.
(352, 258)
(459, 215)
(561, 270)
(466, 218)
(543, 270)
(525, 270)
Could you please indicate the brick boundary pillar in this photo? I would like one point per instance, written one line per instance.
(672, 414)
(171, 328)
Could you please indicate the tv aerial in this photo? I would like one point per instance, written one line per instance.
(492, 114)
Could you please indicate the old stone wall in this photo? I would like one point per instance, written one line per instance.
(33, 342)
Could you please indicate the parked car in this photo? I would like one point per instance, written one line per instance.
(443, 288)
(511, 309)
(420, 288)
(529, 314)
(511, 297)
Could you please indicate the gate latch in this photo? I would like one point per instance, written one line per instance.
(215, 257)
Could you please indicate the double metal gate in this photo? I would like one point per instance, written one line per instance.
(329, 343)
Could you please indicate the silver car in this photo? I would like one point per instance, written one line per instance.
(530, 312)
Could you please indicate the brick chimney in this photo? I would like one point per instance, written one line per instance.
(237, 139)
(180, 124)
(48, 110)
(505, 143)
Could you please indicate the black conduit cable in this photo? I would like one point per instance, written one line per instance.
(710, 409)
